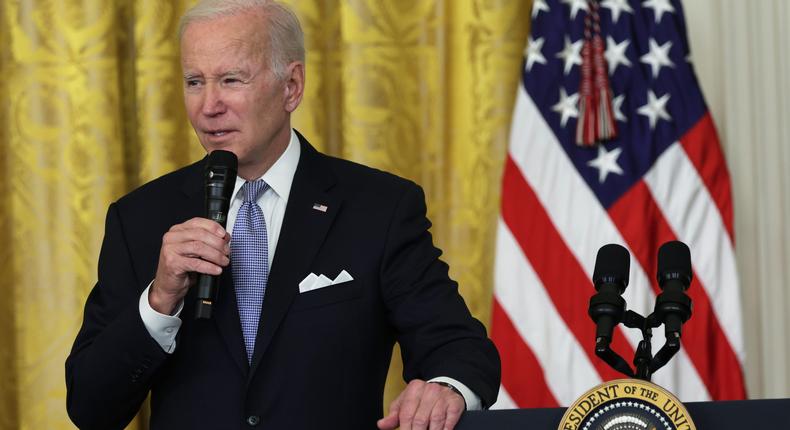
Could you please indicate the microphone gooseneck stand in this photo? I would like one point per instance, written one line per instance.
(672, 308)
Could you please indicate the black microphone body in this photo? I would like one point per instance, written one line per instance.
(220, 179)
(607, 306)
(674, 276)
(610, 278)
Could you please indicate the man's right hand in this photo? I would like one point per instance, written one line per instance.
(199, 245)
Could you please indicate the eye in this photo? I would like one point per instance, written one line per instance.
(192, 83)
(232, 81)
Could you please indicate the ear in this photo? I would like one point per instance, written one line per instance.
(294, 85)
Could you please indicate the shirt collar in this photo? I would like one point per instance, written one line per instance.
(280, 176)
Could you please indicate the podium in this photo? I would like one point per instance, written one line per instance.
(730, 415)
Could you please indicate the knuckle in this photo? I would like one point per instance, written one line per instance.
(455, 408)
(416, 383)
(194, 247)
(199, 266)
(168, 258)
(407, 412)
(420, 422)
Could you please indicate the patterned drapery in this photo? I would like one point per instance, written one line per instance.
(91, 108)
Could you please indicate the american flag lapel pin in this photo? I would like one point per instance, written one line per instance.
(319, 207)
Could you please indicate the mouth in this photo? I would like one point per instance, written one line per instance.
(218, 134)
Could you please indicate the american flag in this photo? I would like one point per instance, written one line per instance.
(663, 177)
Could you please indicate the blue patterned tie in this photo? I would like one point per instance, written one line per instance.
(249, 254)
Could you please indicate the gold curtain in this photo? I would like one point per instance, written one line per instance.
(91, 108)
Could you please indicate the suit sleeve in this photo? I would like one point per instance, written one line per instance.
(437, 333)
(109, 371)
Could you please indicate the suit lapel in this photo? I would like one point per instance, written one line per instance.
(225, 312)
(301, 236)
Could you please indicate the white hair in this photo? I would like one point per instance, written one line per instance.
(284, 36)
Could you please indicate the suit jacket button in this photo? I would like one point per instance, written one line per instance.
(253, 420)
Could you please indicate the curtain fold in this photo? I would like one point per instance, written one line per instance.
(92, 108)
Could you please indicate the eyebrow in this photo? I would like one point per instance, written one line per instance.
(232, 72)
(237, 72)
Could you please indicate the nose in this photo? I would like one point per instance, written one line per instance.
(213, 103)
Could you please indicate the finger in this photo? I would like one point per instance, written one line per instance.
(202, 266)
(178, 267)
(202, 223)
(438, 414)
(390, 422)
(410, 403)
(455, 409)
(196, 235)
(427, 400)
(200, 250)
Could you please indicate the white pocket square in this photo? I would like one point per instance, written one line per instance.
(313, 282)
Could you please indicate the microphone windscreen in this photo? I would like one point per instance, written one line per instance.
(220, 158)
(674, 262)
(612, 265)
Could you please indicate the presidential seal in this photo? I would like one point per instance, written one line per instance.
(627, 404)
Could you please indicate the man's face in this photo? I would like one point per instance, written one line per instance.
(232, 98)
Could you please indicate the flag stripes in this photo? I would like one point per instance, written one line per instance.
(531, 209)
(525, 303)
(663, 178)
(561, 270)
(522, 375)
(709, 161)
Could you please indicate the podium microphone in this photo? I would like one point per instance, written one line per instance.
(674, 275)
(610, 278)
(220, 178)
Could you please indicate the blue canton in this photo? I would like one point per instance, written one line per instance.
(656, 98)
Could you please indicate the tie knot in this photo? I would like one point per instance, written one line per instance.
(251, 190)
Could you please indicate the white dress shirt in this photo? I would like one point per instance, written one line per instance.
(164, 328)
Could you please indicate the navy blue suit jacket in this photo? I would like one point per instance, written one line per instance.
(321, 357)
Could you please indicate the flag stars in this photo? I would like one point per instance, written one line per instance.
(567, 106)
(617, 7)
(617, 107)
(655, 108)
(571, 54)
(534, 54)
(539, 6)
(606, 163)
(657, 57)
(576, 6)
(659, 7)
(615, 54)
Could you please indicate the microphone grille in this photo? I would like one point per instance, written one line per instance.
(674, 262)
(612, 265)
(220, 158)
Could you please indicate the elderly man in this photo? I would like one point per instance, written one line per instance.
(274, 355)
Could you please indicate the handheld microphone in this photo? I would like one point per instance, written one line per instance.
(610, 278)
(674, 276)
(220, 178)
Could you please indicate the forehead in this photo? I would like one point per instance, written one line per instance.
(225, 42)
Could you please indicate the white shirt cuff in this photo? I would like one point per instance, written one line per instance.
(472, 400)
(163, 328)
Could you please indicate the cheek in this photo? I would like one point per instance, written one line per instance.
(192, 105)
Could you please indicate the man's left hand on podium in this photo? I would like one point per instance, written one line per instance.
(424, 405)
